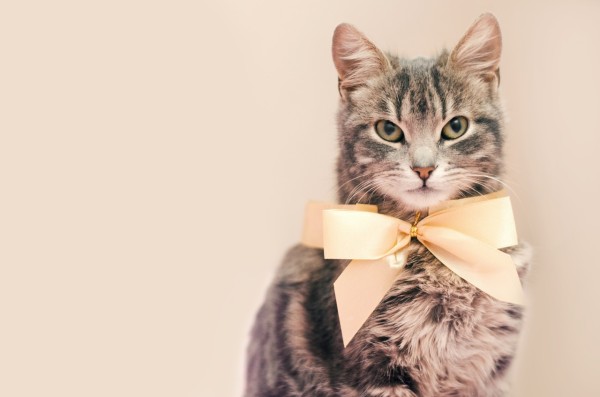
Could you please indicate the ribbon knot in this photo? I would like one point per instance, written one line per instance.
(414, 229)
(465, 235)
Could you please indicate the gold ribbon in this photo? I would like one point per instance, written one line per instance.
(464, 235)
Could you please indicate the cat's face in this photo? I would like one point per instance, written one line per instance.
(418, 132)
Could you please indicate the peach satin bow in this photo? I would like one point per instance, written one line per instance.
(464, 235)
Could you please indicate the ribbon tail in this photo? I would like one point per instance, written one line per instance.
(481, 264)
(358, 291)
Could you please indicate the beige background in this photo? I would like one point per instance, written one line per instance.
(155, 158)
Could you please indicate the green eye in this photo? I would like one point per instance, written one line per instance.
(389, 131)
(455, 128)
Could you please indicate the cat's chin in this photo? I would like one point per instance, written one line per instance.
(423, 198)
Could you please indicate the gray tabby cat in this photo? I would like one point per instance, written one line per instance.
(412, 133)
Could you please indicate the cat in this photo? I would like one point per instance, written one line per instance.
(412, 133)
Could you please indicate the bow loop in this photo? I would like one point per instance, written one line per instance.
(490, 220)
(362, 235)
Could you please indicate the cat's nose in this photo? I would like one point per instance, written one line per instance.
(423, 172)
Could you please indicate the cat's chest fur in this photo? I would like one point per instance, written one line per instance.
(434, 335)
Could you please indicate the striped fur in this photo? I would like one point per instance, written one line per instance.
(433, 334)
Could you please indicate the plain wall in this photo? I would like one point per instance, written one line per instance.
(155, 158)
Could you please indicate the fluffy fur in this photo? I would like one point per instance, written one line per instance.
(433, 334)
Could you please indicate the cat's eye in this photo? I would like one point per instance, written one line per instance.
(389, 131)
(455, 128)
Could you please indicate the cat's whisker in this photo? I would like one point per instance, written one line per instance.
(365, 186)
(365, 189)
(475, 178)
(479, 174)
(465, 184)
(373, 190)
(357, 189)
(468, 190)
(361, 197)
(366, 174)
(471, 181)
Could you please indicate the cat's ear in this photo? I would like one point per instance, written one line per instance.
(478, 52)
(356, 58)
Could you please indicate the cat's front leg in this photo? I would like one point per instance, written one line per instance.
(374, 365)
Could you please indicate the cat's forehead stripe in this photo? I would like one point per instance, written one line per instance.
(403, 80)
(435, 76)
(415, 93)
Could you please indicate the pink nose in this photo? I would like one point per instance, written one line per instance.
(423, 172)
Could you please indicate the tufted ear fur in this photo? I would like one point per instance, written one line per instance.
(478, 52)
(356, 58)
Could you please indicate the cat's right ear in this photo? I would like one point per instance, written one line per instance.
(478, 52)
(356, 58)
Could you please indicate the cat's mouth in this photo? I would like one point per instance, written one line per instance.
(424, 197)
(423, 189)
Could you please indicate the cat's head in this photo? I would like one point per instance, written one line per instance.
(415, 132)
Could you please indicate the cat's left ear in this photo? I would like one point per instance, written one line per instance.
(478, 52)
(356, 59)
